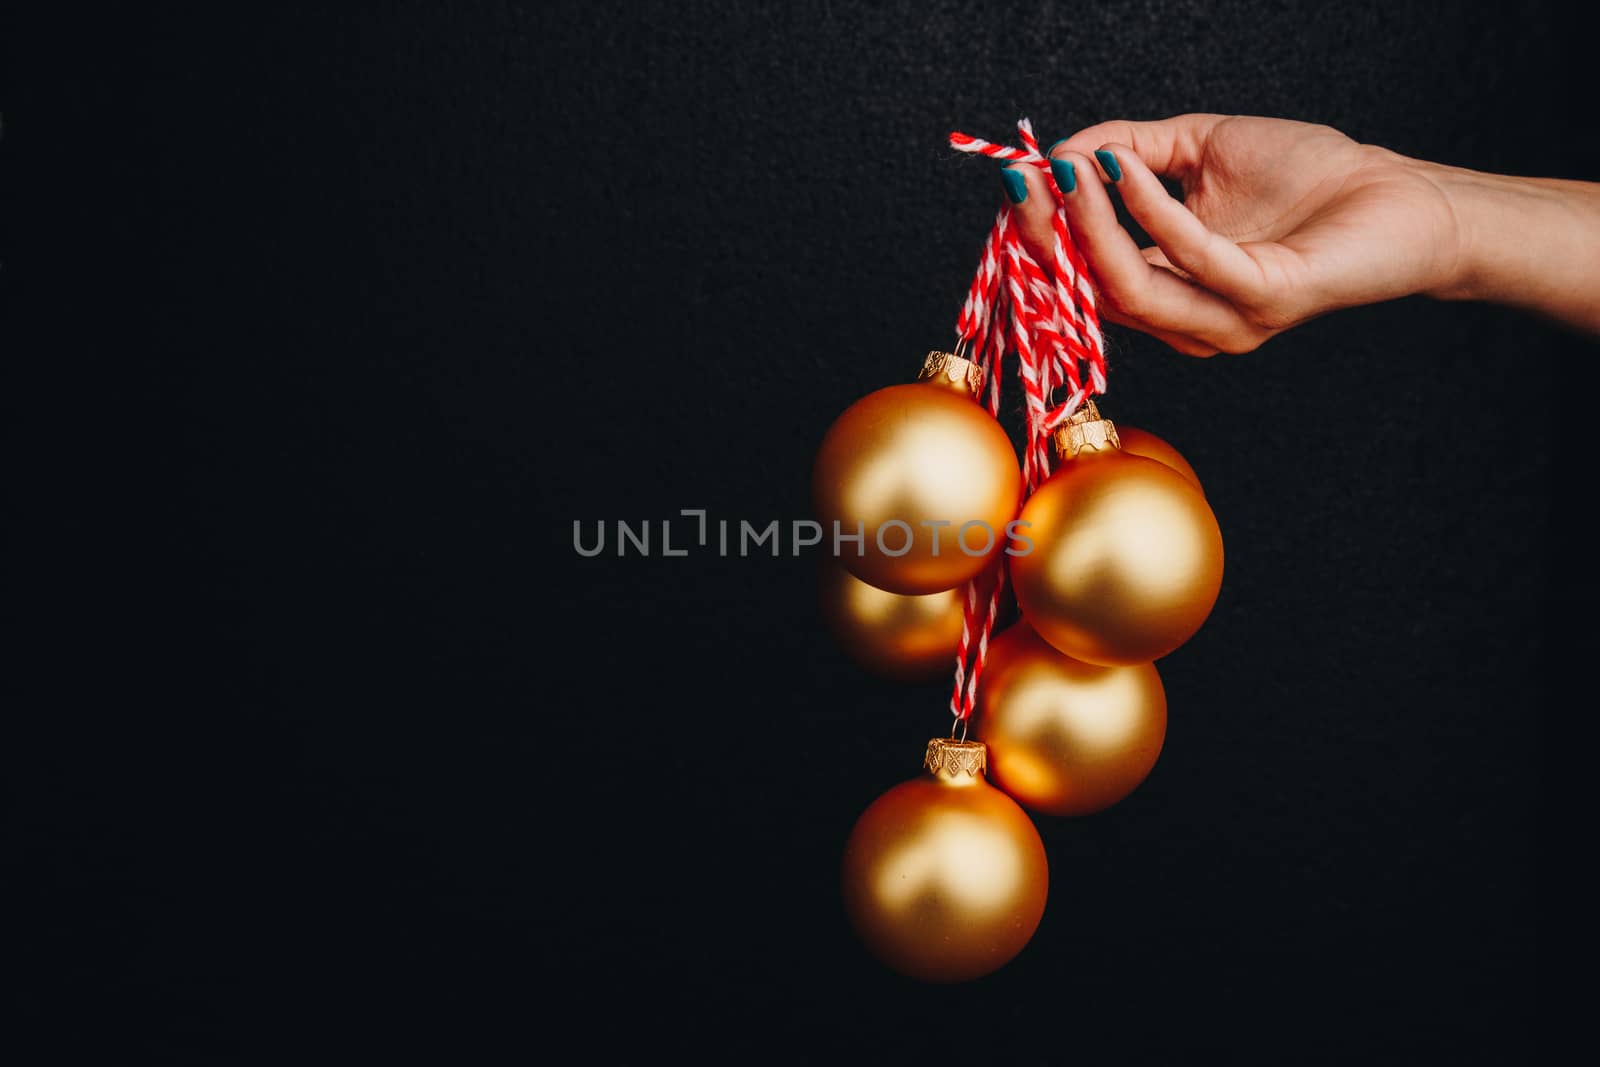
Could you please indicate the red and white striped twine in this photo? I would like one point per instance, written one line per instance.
(1049, 319)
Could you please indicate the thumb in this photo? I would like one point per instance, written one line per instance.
(1172, 147)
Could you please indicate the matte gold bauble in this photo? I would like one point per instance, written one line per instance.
(944, 876)
(908, 638)
(926, 478)
(1067, 737)
(1144, 443)
(1126, 557)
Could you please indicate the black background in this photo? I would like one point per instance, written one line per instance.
(339, 749)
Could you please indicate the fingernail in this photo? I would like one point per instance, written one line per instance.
(1066, 176)
(1016, 186)
(1109, 162)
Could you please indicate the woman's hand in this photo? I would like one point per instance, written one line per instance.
(1282, 221)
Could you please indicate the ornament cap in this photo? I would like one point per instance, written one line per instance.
(950, 371)
(1086, 431)
(961, 762)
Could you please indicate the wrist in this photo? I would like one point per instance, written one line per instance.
(1526, 242)
(1436, 252)
(1465, 273)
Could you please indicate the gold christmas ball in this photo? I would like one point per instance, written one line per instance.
(944, 876)
(1126, 557)
(908, 638)
(1067, 737)
(924, 476)
(1146, 444)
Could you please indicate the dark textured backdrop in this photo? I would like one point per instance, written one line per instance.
(342, 751)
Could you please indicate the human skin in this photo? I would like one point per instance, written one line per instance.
(1283, 221)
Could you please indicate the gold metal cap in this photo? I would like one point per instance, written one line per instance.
(949, 758)
(1085, 431)
(951, 371)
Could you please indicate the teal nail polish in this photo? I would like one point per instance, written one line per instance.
(1056, 145)
(1066, 174)
(1109, 162)
(1016, 187)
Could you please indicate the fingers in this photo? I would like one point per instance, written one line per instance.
(1189, 346)
(1156, 257)
(1133, 287)
(1167, 292)
(1035, 212)
(1208, 258)
(1172, 146)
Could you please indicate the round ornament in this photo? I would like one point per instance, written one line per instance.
(944, 876)
(1126, 558)
(924, 479)
(907, 638)
(1067, 737)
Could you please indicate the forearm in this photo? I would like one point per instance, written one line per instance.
(1532, 243)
